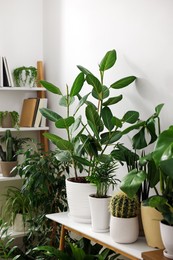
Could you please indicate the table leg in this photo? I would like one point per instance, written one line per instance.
(62, 238)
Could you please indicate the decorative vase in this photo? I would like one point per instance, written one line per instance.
(77, 198)
(124, 230)
(6, 168)
(151, 224)
(167, 235)
(100, 216)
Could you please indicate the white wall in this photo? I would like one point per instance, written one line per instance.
(80, 32)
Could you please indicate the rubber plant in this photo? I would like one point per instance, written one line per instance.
(89, 135)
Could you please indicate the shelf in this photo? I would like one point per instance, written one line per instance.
(2, 178)
(24, 129)
(21, 89)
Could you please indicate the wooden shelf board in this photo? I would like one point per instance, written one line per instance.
(24, 129)
(21, 89)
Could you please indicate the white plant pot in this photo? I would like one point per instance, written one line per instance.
(78, 203)
(167, 235)
(19, 225)
(124, 230)
(100, 216)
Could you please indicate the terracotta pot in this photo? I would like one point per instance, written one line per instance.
(151, 224)
(78, 202)
(6, 168)
(100, 216)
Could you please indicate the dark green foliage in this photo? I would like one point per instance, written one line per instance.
(23, 74)
(122, 206)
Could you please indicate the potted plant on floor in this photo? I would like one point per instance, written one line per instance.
(90, 135)
(17, 209)
(163, 157)
(124, 227)
(9, 149)
(9, 119)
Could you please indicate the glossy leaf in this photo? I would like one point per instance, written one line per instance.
(113, 100)
(102, 95)
(64, 122)
(110, 137)
(117, 122)
(132, 181)
(93, 81)
(108, 61)
(131, 117)
(59, 142)
(49, 114)
(94, 120)
(139, 140)
(158, 108)
(84, 70)
(123, 82)
(107, 118)
(50, 87)
(75, 125)
(77, 85)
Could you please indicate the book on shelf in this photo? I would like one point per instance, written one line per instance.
(28, 113)
(1, 72)
(7, 75)
(39, 119)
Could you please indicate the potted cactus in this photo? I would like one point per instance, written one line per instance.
(8, 152)
(124, 226)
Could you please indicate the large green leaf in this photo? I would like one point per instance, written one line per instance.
(59, 142)
(112, 100)
(107, 118)
(139, 139)
(49, 114)
(64, 122)
(123, 82)
(77, 85)
(90, 145)
(150, 125)
(75, 125)
(132, 182)
(158, 108)
(84, 70)
(83, 161)
(167, 167)
(110, 137)
(50, 87)
(102, 95)
(93, 81)
(164, 141)
(93, 119)
(131, 117)
(108, 61)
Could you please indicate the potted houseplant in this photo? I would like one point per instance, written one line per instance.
(9, 119)
(163, 202)
(25, 76)
(124, 226)
(102, 176)
(9, 149)
(143, 175)
(88, 136)
(17, 209)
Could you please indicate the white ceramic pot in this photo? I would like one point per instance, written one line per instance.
(124, 230)
(100, 216)
(78, 203)
(167, 235)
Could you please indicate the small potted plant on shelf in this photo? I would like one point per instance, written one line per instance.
(9, 119)
(124, 226)
(163, 202)
(9, 149)
(25, 76)
(91, 134)
(102, 176)
(17, 209)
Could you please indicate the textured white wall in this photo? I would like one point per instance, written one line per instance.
(80, 32)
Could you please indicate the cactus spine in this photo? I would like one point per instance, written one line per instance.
(122, 206)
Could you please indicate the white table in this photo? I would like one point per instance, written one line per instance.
(132, 251)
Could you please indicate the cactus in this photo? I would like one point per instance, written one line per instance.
(122, 206)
